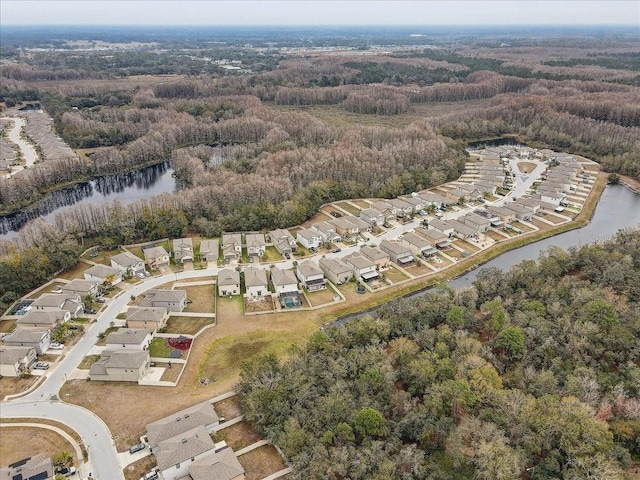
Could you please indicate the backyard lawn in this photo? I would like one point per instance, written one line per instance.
(353, 210)
(22, 442)
(187, 325)
(320, 297)
(261, 462)
(238, 436)
(394, 275)
(202, 298)
(159, 348)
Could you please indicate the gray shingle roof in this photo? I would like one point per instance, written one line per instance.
(283, 277)
(26, 335)
(41, 317)
(128, 359)
(227, 276)
(163, 296)
(126, 259)
(255, 277)
(11, 355)
(54, 300)
(101, 271)
(183, 447)
(148, 314)
(154, 252)
(309, 268)
(222, 465)
(168, 427)
(127, 336)
(80, 285)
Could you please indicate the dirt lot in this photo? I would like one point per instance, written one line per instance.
(7, 325)
(526, 167)
(21, 442)
(394, 275)
(187, 325)
(496, 236)
(13, 385)
(349, 208)
(230, 408)
(238, 436)
(202, 298)
(264, 304)
(171, 372)
(261, 462)
(139, 468)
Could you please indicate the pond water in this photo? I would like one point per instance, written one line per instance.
(127, 188)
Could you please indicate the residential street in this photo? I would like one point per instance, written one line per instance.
(28, 152)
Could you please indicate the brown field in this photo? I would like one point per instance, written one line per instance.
(526, 167)
(202, 298)
(264, 304)
(496, 236)
(418, 270)
(394, 275)
(361, 203)
(468, 246)
(171, 371)
(187, 325)
(13, 385)
(21, 442)
(75, 272)
(7, 325)
(238, 436)
(229, 407)
(349, 208)
(261, 462)
(135, 470)
(321, 297)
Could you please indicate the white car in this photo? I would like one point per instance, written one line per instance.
(56, 346)
(140, 275)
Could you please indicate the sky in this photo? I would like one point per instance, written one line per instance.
(314, 12)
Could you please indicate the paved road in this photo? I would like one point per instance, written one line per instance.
(43, 401)
(28, 152)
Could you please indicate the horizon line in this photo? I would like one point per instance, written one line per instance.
(320, 25)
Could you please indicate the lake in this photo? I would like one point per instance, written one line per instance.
(126, 187)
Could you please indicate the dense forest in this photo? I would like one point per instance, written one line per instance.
(532, 373)
(295, 123)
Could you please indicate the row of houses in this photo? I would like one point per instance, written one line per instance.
(183, 446)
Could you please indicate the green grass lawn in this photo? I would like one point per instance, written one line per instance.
(271, 255)
(103, 341)
(159, 348)
(87, 361)
(349, 208)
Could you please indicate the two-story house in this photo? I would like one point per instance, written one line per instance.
(103, 274)
(398, 254)
(377, 256)
(372, 217)
(209, 250)
(150, 318)
(311, 276)
(127, 263)
(362, 267)
(183, 250)
(14, 361)
(128, 339)
(38, 338)
(231, 246)
(327, 232)
(82, 288)
(56, 302)
(228, 282)
(255, 282)
(309, 238)
(156, 257)
(336, 270)
(285, 285)
(283, 241)
(256, 244)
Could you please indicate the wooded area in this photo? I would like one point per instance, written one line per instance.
(531, 373)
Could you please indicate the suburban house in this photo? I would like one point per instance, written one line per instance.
(434, 199)
(389, 211)
(377, 256)
(231, 246)
(156, 257)
(415, 201)
(403, 209)
(504, 214)
(283, 241)
(327, 232)
(228, 282)
(172, 300)
(471, 190)
(372, 217)
(33, 468)
(15, 360)
(82, 288)
(310, 276)
(362, 267)
(56, 302)
(127, 262)
(462, 230)
(435, 238)
(255, 282)
(522, 212)
(209, 250)
(530, 203)
(309, 238)
(398, 254)
(336, 270)
(201, 414)
(120, 366)
(419, 246)
(38, 338)
(285, 285)
(256, 244)
(222, 465)
(45, 319)
(175, 455)
(440, 226)
(475, 221)
(485, 186)
(458, 195)
(360, 224)
(345, 228)
(150, 318)
(182, 250)
(103, 274)
(128, 339)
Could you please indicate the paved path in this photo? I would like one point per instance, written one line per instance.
(253, 446)
(28, 152)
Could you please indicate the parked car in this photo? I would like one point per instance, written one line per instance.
(140, 275)
(41, 366)
(67, 471)
(252, 259)
(100, 300)
(137, 447)
(56, 346)
(146, 273)
(56, 289)
(287, 256)
(314, 249)
(335, 214)
(336, 250)
(89, 311)
(422, 213)
(150, 476)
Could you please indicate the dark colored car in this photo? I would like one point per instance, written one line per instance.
(89, 311)
(287, 256)
(336, 250)
(335, 214)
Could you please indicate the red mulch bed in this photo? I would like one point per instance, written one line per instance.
(179, 343)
